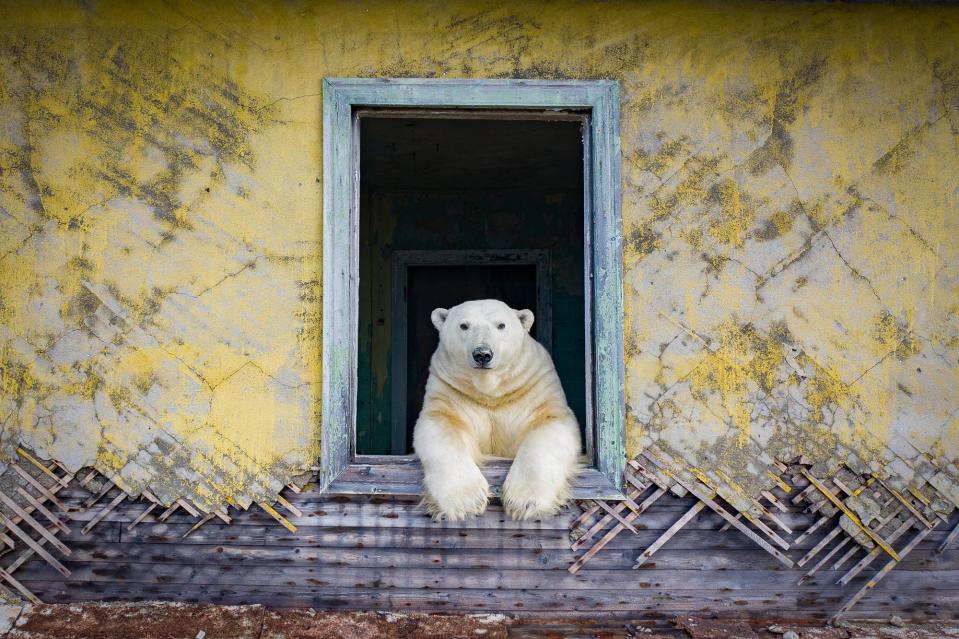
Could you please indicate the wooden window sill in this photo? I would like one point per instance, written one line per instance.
(402, 475)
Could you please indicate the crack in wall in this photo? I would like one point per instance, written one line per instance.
(851, 268)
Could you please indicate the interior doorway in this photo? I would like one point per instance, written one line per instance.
(460, 205)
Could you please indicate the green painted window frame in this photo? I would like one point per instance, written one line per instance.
(341, 470)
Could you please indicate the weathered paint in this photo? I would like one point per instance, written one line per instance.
(790, 208)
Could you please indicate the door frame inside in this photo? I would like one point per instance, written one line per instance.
(344, 101)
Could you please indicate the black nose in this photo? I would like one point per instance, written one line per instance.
(482, 356)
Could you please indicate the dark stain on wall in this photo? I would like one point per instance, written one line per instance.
(137, 95)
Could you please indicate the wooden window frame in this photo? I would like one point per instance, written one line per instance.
(341, 469)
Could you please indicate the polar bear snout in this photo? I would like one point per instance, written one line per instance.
(482, 356)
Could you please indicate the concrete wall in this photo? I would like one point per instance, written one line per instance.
(790, 207)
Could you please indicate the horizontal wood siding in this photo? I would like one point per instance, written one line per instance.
(353, 552)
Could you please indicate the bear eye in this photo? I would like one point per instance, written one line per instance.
(464, 326)
(501, 326)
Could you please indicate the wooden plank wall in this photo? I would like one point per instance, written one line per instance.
(386, 554)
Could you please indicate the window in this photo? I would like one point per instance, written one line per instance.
(438, 191)
(458, 205)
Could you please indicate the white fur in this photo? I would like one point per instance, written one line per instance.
(515, 408)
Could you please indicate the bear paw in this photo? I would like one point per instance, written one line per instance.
(522, 503)
(456, 498)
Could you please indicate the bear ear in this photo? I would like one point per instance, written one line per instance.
(526, 318)
(439, 317)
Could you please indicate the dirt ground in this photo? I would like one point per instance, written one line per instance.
(182, 621)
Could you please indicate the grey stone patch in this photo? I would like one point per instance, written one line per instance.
(864, 506)
(945, 485)
(856, 533)
(899, 474)
(9, 613)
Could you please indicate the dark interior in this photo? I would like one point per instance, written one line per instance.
(477, 185)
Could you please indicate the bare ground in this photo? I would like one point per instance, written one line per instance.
(186, 621)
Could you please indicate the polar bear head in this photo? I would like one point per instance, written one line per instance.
(484, 334)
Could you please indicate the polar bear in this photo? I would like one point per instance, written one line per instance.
(493, 391)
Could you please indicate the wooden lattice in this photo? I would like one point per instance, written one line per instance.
(648, 479)
(893, 525)
(856, 519)
(866, 519)
(29, 496)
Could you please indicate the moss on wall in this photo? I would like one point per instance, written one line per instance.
(790, 203)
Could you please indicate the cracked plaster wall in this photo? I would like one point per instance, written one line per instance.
(790, 207)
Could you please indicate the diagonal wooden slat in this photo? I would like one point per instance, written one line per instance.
(846, 557)
(819, 523)
(905, 502)
(766, 513)
(39, 507)
(851, 515)
(30, 521)
(198, 524)
(24, 557)
(187, 506)
(951, 537)
(50, 559)
(277, 516)
(63, 481)
(611, 511)
(884, 529)
(107, 487)
(799, 497)
(875, 552)
(719, 510)
(169, 511)
(23, 590)
(104, 512)
(585, 516)
(668, 534)
(634, 481)
(90, 477)
(885, 570)
(613, 532)
(826, 558)
(831, 535)
(772, 499)
(290, 507)
(142, 516)
(605, 520)
(815, 550)
(40, 488)
(33, 496)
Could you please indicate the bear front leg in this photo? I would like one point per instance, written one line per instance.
(546, 462)
(453, 484)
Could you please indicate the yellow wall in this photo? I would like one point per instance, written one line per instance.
(790, 208)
